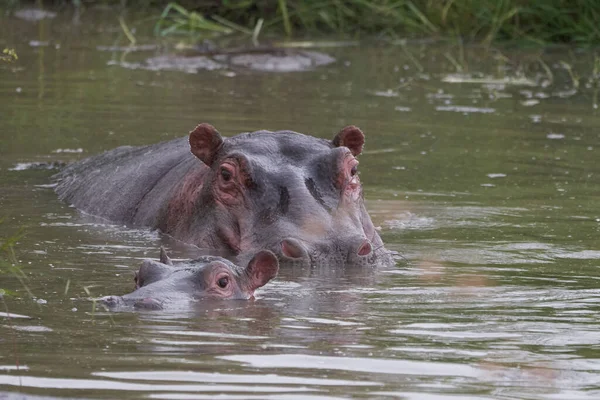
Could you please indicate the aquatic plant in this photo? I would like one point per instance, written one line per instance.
(8, 55)
(481, 20)
(8, 260)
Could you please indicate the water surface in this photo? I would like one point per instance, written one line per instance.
(481, 169)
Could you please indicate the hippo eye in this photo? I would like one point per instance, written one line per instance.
(354, 170)
(223, 282)
(225, 174)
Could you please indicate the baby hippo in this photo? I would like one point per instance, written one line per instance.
(158, 284)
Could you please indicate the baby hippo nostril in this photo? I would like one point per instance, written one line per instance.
(365, 248)
(293, 249)
(111, 301)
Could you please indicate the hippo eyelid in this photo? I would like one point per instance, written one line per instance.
(226, 173)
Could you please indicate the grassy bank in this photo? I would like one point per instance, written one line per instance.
(541, 21)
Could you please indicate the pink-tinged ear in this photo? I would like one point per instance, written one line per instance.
(352, 138)
(205, 142)
(261, 269)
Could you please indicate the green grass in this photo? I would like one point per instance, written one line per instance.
(538, 21)
(8, 55)
(8, 260)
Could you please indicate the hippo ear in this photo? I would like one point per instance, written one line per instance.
(150, 271)
(205, 142)
(351, 137)
(261, 269)
(164, 258)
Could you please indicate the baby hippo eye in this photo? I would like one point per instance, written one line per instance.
(225, 174)
(223, 282)
(354, 170)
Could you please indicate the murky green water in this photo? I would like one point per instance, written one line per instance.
(489, 190)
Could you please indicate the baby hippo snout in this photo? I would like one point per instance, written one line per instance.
(112, 301)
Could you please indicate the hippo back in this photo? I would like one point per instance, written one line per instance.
(127, 185)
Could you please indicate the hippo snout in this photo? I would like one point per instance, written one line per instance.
(346, 250)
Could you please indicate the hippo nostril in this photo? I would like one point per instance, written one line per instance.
(365, 248)
(293, 249)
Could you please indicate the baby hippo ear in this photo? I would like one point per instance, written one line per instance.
(164, 258)
(261, 269)
(150, 272)
(352, 138)
(205, 142)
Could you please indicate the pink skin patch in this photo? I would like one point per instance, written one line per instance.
(365, 249)
(348, 177)
(182, 204)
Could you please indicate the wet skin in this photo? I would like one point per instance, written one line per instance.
(161, 284)
(291, 193)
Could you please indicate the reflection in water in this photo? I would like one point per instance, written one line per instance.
(485, 184)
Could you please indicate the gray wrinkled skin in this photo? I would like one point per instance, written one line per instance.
(289, 193)
(161, 285)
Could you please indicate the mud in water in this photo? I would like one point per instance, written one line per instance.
(480, 169)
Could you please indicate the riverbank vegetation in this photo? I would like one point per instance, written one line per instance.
(541, 21)
(8, 260)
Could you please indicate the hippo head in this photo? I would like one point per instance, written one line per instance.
(160, 283)
(294, 194)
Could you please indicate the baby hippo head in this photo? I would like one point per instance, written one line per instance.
(158, 284)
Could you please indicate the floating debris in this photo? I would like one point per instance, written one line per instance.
(285, 62)
(555, 136)
(34, 14)
(493, 176)
(462, 78)
(79, 150)
(440, 95)
(38, 43)
(131, 48)
(402, 109)
(37, 165)
(530, 102)
(535, 118)
(31, 329)
(385, 93)
(14, 368)
(379, 151)
(190, 65)
(270, 60)
(565, 93)
(466, 109)
(316, 44)
(13, 315)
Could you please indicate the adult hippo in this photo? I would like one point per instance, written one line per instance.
(296, 195)
(163, 284)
